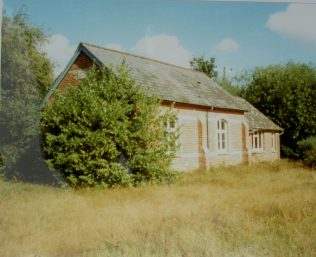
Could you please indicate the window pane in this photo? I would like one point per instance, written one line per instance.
(172, 123)
(222, 135)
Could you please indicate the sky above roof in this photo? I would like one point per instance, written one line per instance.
(240, 35)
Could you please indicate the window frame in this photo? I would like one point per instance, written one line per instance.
(222, 136)
(257, 141)
(172, 126)
(174, 129)
(273, 142)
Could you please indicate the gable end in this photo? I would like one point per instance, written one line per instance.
(80, 62)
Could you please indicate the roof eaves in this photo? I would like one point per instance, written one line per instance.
(254, 129)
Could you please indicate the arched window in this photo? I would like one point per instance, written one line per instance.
(222, 135)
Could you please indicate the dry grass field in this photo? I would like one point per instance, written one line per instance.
(259, 210)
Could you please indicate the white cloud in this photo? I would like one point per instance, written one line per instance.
(164, 48)
(59, 50)
(296, 22)
(228, 45)
(114, 46)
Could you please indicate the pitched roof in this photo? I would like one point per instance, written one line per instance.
(256, 119)
(166, 81)
(171, 83)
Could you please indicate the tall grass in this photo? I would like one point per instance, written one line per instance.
(259, 210)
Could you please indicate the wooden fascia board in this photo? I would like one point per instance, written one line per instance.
(202, 107)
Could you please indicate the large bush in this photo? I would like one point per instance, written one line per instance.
(106, 131)
(308, 151)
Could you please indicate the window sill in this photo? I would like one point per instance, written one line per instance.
(222, 152)
(258, 151)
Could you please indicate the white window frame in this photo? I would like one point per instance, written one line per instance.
(173, 127)
(222, 136)
(257, 141)
(80, 74)
(273, 141)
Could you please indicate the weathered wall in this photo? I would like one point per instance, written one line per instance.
(268, 153)
(198, 138)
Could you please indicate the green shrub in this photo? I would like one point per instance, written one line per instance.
(1, 162)
(308, 151)
(106, 132)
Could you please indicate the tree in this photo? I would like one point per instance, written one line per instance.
(230, 85)
(26, 77)
(107, 132)
(204, 65)
(286, 94)
(23, 63)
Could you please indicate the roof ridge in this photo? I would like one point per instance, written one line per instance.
(138, 56)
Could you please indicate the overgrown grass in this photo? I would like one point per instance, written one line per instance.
(259, 210)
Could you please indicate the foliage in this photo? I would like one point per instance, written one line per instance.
(229, 85)
(106, 132)
(308, 151)
(26, 77)
(1, 163)
(208, 67)
(23, 64)
(286, 94)
(204, 65)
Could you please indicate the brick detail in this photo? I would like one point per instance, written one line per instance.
(245, 156)
(81, 63)
(202, 159)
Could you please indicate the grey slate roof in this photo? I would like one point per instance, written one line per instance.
(166, 81)
(171, 83)
(256, 119)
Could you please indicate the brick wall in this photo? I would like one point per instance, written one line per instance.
(83, 62)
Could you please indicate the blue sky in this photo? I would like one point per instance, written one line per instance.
(240, 35)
